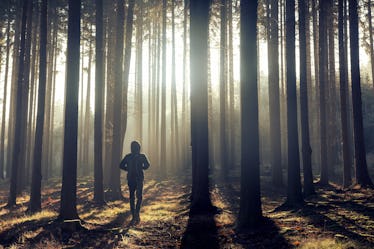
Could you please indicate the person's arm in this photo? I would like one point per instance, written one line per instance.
(123, 164)
(145, 162)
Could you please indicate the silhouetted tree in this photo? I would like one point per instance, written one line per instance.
(274, 101)
(199, 20)
(322, 91)
(115, 182)
(5, 97)
(294, 195)
(362, 174)
(223, 91)
(19, 119)
(163, 94)
(347, 163)
(68, 209)
(371, 42)
(250, 213)
(99, 106)
(35, 197)
(304, 111)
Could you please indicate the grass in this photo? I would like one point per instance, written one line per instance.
(332, 219)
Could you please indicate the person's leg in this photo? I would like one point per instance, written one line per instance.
(139, 197)
(132, 188)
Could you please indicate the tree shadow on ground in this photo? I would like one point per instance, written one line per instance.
(267, 235)
(103, 236)
(329, 225)
(201, 232)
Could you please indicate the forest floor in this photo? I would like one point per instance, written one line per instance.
(334, 218)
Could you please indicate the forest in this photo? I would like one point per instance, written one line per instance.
(186, 124)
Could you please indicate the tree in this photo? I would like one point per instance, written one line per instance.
(174, 103)
(371, 43)
(304, 111)
(294, 195)
(18, 121)
(223, 91)
(163, 93)
(35, 197)
(274, 101)
(2, 136)
(324, 180)
(115, 184)
(139, 73)
(99, 106)
(250, 213)
(347, 178)
(68, 209)
(199, 20)
(362, 174)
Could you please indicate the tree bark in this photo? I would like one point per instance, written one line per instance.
(114, 183)
(223, 92)
(362, 174)
(5, 96)
(324, 180)
(18, 121)
(199, 20)
(274, 101)
(163, 94)
(99, 106)
(347, 163)
(294, 195)
(35, 195)
(371, 41)
(68, 209)
(304, 110)
(250, 214)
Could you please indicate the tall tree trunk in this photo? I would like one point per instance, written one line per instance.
(30, 130)
(13, 88)
(294, 195)
(139, 59)
(315, 108)
(332, 153)
(322, 91)
(99, 106)
(163, 93)
(185, 144)
(250, 213)
(347, 163)
(233, 125)
(211, 121)
(362, 174)
(108, 134)
(174, 105)
(115, 184)
(371, 40)
(81, 111)
(25, 100)
(5, 96)
(304, 110)
(51, 54)
(284, 144)
(223, 92)
(68, 209)
(348, 89)
(199, 23)
(35, 195)
(126, 68)
(274, 101)
(87, 117)
(18, 121)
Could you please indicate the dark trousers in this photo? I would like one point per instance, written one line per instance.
(135, 186)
